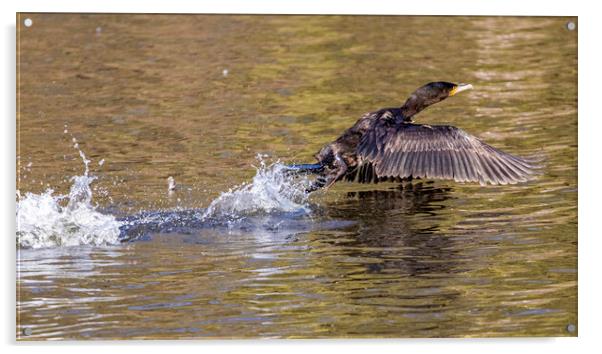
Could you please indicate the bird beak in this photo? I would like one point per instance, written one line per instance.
(460, 88)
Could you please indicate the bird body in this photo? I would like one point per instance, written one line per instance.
(387, 145)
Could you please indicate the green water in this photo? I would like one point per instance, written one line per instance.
(149, 95)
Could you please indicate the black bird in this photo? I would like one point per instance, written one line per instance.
(387, 145)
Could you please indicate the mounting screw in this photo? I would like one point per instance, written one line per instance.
(571, 26)
(27, 331)
(28, 22)
(571, 328)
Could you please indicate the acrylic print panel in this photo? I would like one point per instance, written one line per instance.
(154, 199)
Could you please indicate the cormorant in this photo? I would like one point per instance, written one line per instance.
(388, 145)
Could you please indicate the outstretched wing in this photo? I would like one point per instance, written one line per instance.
(437, 152)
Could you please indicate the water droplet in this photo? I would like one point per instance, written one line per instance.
(171, 183)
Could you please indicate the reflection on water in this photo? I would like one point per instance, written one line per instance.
(148, 96)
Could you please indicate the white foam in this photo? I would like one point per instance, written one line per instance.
(270, 191)
(47, 220)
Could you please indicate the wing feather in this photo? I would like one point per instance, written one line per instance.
(443, 152)
(459, 167)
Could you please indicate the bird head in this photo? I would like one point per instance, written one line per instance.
(434, 92)
(429, 94)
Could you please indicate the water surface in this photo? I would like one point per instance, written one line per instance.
(198, 97)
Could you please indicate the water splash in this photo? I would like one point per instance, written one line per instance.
(271, 201)
(47, 220)
(271, 191)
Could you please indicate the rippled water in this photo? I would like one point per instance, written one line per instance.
(198, 97)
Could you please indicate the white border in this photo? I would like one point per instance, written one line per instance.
(590, 60)
(373, 7)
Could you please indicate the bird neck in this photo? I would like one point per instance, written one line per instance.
(412, 106)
